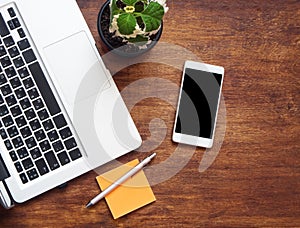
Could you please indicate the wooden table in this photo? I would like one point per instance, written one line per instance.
(255, 178)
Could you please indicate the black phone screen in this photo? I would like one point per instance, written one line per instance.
(198, 103)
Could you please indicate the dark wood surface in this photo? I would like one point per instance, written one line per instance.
(255, 178)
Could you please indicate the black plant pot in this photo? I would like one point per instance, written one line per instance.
(115, 44)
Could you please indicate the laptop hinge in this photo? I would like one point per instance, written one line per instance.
(3, 170)
(5, 198)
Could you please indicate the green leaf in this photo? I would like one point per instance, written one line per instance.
(139, 40)
(114, 10)
(152, 16)
(129, 2)
(126, 23)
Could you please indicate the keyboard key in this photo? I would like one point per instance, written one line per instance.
(5, 61)
(13, 52)
(42, 167)
(20, 92)
(32, 174)
(16, 22)
(2, 51)
(28, 83)
(18, 167)
(13, 156)
(75, 154)
(60, 121)
(30, 114)
(48, 125)
(11, 12)
(6, 90)
(58, 146)
(52, 161)
(33, 93)
(21, 33)
(21, 121)
(43, 114)
(63, 158)
(29, 56)
(8, 145)
(23, 44)
(40, 135)
(38, 104)
(65, 133)
(22, 153)
(12, 131)
(1, 99)
(3, 28)
(8, 41)
(23, 72)
(35, 124)
(3, 134)
(2, 79)
(10, 72)
(18, 62)
(17, 142)
(15, 111)
(35, 153)
(23, 178)
(7, 121)
(25, 103)
(11, 100)
(70, 143)
(45, 145)
(25, 132)
(15, 82)
(30, 142)
(27, 163)
(52, 135)
(44, 88)
(3, 110)
(11, 25)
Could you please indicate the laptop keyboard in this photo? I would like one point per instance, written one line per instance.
(32, 125)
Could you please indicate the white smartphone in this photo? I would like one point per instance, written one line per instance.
(198, 104)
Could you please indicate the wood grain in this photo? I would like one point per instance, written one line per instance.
(255, 179)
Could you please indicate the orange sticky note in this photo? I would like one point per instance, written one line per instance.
(131, 195)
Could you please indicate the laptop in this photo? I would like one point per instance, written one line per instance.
(61, 114)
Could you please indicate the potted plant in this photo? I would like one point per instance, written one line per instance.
(131, 27)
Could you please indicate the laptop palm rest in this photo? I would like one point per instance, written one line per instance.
(77, 72)
(82, 82)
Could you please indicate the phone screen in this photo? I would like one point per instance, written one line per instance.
(198, 103)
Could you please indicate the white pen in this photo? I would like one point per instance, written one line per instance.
(118, 182)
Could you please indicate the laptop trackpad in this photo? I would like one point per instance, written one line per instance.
(78, 73)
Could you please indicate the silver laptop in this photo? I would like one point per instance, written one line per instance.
(61, 114)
